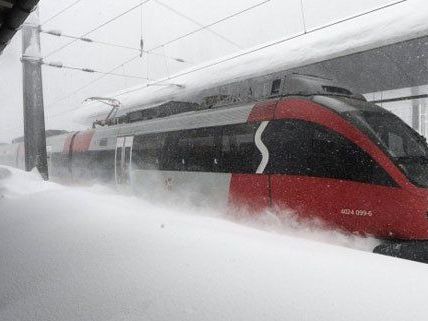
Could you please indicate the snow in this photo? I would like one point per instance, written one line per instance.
(404, 21)
(33, 18)
(33, 50)
(90, 253)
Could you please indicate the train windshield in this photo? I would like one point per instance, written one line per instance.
(406, 147)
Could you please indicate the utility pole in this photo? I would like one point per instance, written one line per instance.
(34, 118)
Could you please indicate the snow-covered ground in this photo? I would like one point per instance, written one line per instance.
(69, 253)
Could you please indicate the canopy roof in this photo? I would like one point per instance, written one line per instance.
(12, 15)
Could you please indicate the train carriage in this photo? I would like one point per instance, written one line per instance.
(318, 150)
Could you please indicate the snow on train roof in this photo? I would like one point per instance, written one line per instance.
(403, 21)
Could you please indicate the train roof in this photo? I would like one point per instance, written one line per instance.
(345, 105)
(235, 94)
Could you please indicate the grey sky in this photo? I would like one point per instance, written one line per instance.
(158, 25)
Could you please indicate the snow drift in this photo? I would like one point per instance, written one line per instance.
(72, 253)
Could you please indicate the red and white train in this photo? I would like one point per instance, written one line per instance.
(303, 144)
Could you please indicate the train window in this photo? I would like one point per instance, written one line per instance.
(395, 143)
(172, 159)
(405, 146)
(289, 147)
(147, 150)
(194, 150)
(302, 148)
(198, 150)
(336, 90)
(227, 149)
(276, 87)
(239, 152)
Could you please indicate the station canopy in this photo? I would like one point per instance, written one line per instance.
(12, 15)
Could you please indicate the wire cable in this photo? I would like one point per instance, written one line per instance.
(91, 82)
(58, 33)
(203, 27)
(61, 12)
(160, 82)
(97, 28)
(89, 70)
(182, 15)
(242, 54)
(302, 10)
(150, 51)
(209, 25)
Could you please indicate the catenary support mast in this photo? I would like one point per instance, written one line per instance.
(34, 119)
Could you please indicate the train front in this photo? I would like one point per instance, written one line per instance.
(403, 154)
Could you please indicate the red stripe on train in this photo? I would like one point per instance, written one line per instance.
(78, 142)
(249, 192)
(263, 111)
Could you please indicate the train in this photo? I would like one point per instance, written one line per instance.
(303, 144)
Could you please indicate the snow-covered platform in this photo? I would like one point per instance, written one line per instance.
(72, 253)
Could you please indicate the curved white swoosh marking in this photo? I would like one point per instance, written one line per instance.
(262, 147)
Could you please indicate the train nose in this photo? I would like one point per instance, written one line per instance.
(411, 243)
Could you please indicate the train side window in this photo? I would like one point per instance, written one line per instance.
(199, 149)
(239, 151)
(302, 148)
(226, 149)
(194, 150)
(289, 148)
(396, 144)
(171, 155)
(146, 151)
(276, 87)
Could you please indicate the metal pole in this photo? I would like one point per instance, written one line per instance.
(34, 119)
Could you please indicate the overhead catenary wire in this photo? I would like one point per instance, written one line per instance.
(210, 25)
(90, 70)
(203, 27)
(56, 15)
(128, 61)
(97, 28)
(232, 57)
(157, 47)
(170, 41)
(141, 33)
(58, 33)
(302, 11)
(182, 15)
(275, 43)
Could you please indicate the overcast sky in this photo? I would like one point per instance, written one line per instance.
(158, 25)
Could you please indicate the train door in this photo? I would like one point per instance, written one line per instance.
(122, 159)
